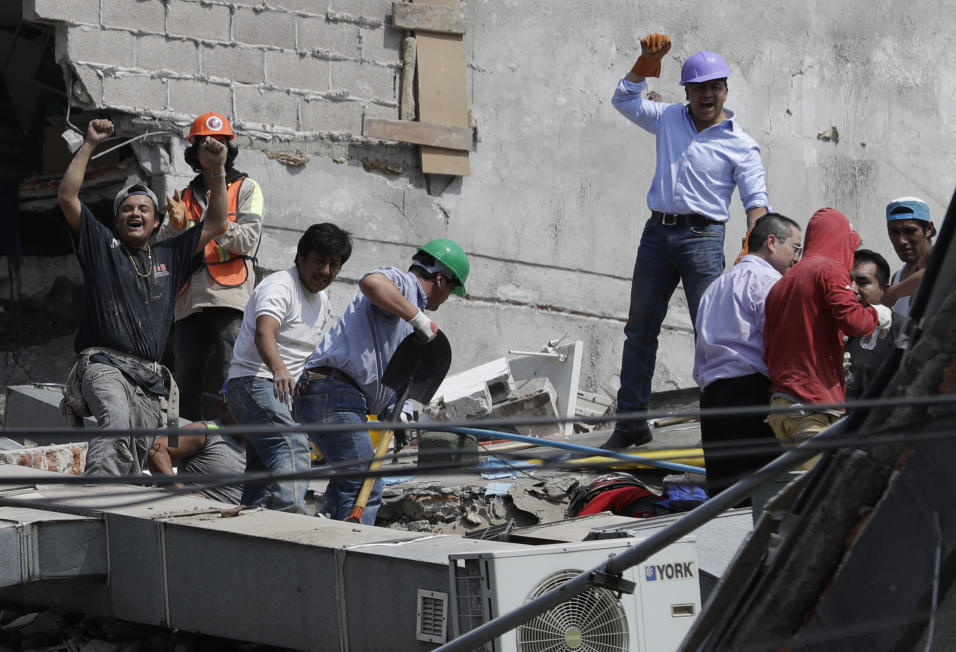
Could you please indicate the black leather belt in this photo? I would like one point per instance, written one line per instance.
(689, 219)
(331, 373)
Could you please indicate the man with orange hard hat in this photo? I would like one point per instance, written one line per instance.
(209, 309)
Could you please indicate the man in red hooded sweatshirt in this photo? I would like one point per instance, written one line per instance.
(807, 313)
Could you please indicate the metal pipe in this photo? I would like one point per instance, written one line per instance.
(576, 448)
(561, 357)
(642, 551)
(130, 140)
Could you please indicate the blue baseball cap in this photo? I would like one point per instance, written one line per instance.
(908, 208)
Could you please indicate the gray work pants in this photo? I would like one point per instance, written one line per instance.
(117, 404)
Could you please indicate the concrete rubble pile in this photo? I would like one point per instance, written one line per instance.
(504, 494)
(525, 384)
(462, 506)
(478, 491)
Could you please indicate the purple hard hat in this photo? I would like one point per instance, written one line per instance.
(703, 66)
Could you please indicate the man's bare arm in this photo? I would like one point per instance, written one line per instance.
(69, 193)
(905, 288)
(754, 214)
(212, 158)
(160, 456)
(267, 344)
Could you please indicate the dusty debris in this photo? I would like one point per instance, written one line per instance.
(530, 506)
(555, 489)
(53, 630)
(388, 167)
(469, 507)
(98, 645)
(292, 159)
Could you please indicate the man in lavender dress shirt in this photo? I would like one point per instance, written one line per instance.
(728, 361)
(702, 155)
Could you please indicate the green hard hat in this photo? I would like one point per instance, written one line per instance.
(449, 254)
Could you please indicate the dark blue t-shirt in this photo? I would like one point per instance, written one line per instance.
(122, 308)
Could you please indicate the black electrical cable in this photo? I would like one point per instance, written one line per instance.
(735, 447)
(69, 434)
(890, 435)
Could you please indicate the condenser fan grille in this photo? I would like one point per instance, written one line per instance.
(593, 621)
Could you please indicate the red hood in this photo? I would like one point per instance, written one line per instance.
(830, 235)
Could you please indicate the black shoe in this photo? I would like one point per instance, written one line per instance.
(637, 435)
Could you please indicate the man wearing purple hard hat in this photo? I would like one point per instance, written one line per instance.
(911, 231)
(702, 156)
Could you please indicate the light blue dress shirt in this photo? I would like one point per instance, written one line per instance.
(696, 172)
(363, 340)
(730, 322)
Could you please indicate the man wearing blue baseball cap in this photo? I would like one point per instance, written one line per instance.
(911, 231)
(702, 155)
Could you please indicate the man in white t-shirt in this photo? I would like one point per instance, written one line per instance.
(281, 325)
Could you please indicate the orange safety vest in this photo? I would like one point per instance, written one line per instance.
(226, 268)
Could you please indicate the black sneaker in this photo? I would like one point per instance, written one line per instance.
(636, 434)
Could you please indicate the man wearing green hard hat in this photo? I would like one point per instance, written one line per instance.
(342, 381)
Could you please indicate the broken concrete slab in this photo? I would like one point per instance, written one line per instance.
(460, 505)
(470, 406)
(593, 404)
(495, 376)
(62, 458)
(561, 364)
(536, 398)
(532, 386)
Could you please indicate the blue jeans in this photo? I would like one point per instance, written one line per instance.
(667, 254)
(252, 402)
(333, 400)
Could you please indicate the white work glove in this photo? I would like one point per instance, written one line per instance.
(885, 316)
(425, 328)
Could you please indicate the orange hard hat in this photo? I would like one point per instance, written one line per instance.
(211, 124)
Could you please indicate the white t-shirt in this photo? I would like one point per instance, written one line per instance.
(902, 305)
(302, 317)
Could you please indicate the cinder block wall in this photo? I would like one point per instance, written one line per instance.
(553, 210)
(290, 66)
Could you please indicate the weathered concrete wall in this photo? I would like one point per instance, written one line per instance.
(552, 212)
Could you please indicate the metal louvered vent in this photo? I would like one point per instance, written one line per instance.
(432, 617)
(594, 621)
(470, 606)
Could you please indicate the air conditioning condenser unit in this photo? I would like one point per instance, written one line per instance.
(655, 618)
